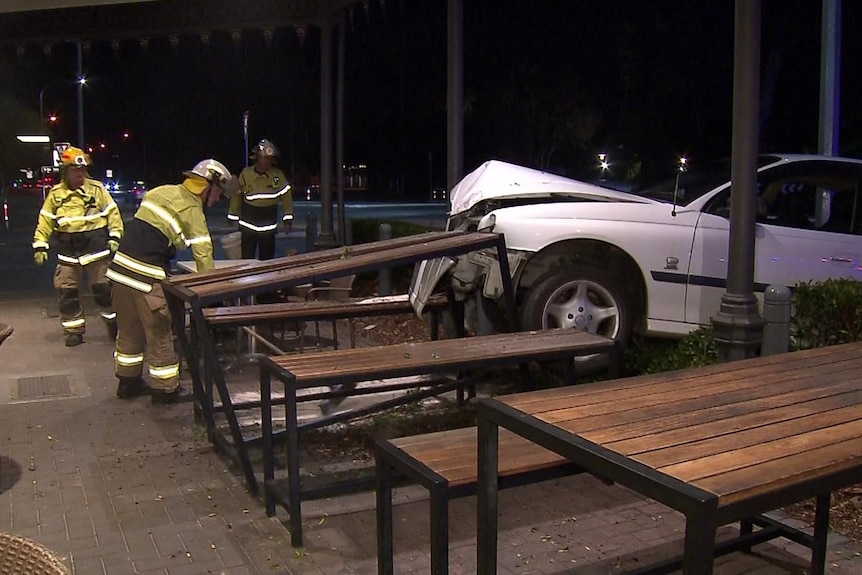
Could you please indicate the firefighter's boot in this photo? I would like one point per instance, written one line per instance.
(130, 387)
(179, 395)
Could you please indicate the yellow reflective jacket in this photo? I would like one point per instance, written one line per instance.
(81, 221)
(255, 207)
(171, 217)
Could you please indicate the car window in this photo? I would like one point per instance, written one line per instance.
(812, 197)
(696, 181)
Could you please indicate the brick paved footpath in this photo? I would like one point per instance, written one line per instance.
(121, 487)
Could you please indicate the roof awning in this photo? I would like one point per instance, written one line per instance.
(33, 5)
(48, 22)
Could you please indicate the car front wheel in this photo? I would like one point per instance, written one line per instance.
(583, 299)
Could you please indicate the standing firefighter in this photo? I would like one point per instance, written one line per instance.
(86, 226)
(171, 217)
(255, 208)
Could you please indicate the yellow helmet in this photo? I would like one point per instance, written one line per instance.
(75, 157)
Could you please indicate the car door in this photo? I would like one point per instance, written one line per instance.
(807, 229)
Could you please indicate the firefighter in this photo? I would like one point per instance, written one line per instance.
(262, 187)
(170, 217)
(86, 225)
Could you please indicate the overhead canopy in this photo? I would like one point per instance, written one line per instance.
(30, 5)
(55, 21)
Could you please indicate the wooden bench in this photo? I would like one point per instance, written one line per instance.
(444, 463)
(351, 366)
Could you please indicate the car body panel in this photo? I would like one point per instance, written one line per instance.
(496, 179)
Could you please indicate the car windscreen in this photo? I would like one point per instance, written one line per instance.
(694, 183)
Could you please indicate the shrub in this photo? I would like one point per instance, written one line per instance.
(645, 355)
(826, 313)
(368, 230)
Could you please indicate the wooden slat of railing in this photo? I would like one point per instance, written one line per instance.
(354, 263)
(310, 258)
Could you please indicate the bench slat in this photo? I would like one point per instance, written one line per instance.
(802, 431)
(379, 362)
(356, 262)
(305, 259)
(453, 454)
(772, 475)
(609, 392)
(322, 309)
(616, 421)
(714, 421)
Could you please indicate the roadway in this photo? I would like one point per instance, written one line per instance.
(21, 275)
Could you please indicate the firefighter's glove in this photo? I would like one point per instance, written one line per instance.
(40, 257)
(113, 245)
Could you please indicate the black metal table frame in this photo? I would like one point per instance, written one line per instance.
(292, 499)
(181, 299)
(700, 508)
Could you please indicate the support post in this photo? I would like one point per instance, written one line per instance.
(384, 277)
(776, 314)
(738, 326)
(310, 232)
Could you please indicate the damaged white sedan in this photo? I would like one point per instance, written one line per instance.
(613, 263)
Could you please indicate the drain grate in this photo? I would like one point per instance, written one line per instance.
(42, 387)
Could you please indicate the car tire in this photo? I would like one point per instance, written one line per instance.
(585, 299)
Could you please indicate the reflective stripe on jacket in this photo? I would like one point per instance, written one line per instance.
(81, 220)
(170, 218)
(255, 207)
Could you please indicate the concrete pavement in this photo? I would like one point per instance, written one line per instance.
(125, 487)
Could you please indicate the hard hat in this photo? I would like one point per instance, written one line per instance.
(75, 157)
(265, 148)
(211, 170)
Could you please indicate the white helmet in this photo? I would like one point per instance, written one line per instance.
(212, 171)
(266, 149)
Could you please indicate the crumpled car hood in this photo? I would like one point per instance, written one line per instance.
(496, 179)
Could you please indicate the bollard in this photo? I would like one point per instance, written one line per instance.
(384, 277)
(776, 313)
(310, 232)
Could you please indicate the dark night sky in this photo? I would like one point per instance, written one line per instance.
(547, 84)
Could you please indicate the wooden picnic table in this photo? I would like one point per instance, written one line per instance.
(192, 293)
(719, 444)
